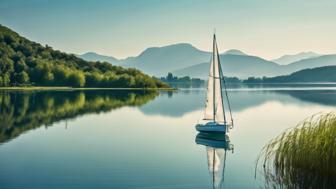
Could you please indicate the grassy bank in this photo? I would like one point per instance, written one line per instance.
(302, 157)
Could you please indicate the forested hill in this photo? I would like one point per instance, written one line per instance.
(23, 62)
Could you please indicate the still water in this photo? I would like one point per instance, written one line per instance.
(142, 139)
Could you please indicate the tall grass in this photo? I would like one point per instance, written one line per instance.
(302, 157)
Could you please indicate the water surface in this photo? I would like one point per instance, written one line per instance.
(140, 139)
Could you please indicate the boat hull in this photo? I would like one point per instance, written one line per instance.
(212, 127)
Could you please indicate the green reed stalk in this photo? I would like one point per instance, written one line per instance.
(303, 156)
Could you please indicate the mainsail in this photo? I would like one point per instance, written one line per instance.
(214, 109)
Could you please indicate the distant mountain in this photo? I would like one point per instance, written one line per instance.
(241, 66)
(234, 52)
(320, 74)
(251, 66)
(325, 60)
(159, 61)
(287, 59)
(183, 59)
(92, 56)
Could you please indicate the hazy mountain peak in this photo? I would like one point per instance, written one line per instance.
(173, 47)
(89, 54)
(160, 60)
(287, 59)
(92, 56)
(180, 45)
(234, 52)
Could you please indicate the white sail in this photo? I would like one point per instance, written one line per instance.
(214, 105)
(219, 109)
(209, 105)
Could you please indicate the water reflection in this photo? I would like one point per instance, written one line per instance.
(216, 146)
(110, 150)
(241, 99)
(22, 111)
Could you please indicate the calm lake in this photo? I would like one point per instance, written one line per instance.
(141, 139)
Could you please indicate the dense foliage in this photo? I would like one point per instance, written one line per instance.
(23, 62)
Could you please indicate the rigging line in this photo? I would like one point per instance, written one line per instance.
(220, 74)
(227, 97)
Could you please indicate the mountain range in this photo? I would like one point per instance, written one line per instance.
(183, 59)
(287, 59)
(325, 74)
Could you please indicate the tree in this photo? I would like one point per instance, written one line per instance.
(76, 79)
(5, 80)
(170, 77)
(48, 77)
(22, 77)
(93, 79)
(20, 66)
(126, 81)
(61, 75)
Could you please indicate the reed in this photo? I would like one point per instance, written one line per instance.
(303, 156)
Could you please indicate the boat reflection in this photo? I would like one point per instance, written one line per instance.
(217, 146)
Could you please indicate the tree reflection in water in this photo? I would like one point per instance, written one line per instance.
(23, 111)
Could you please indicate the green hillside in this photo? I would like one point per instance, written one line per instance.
(23, 62)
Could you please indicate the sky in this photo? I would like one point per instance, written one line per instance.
(122, 28)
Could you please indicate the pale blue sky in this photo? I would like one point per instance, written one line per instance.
(267, 28)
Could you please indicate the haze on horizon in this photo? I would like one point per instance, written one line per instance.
(125, 28)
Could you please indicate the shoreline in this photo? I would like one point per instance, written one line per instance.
(77, 89)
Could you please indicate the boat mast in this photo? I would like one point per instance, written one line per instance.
(213, 168)
(213, 75)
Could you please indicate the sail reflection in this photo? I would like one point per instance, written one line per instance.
(216, 146)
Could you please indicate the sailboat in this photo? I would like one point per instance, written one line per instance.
(214, 109)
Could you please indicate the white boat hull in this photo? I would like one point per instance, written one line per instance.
(212, 127)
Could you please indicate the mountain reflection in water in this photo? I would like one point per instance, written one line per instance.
(240, 99)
